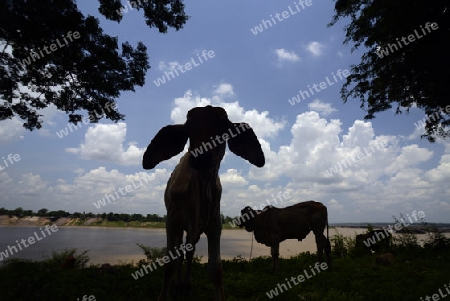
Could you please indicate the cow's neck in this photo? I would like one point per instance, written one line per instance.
(206, 184)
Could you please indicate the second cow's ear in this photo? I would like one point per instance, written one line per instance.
(245, 144)
(168, 142)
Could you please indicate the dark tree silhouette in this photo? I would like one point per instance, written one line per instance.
(406, 62)
(50, 53)
(42, 212)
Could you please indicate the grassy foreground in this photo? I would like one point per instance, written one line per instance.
(416, 272)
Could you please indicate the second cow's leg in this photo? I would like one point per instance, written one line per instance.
(275, 252)
(323, 244)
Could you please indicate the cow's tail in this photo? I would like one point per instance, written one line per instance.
(328, 246)
(328, 240)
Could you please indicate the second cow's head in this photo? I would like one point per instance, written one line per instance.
(248, 215)
(208, 130)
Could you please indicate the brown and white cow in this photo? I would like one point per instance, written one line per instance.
(193, 192)
(273, 225)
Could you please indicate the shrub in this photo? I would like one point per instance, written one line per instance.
(152, 253)
(342, 246)
(62, 259)
(436, 240)
(405, 239)
(338, 248)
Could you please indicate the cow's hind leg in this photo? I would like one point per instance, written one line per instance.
(323, 244)
(275, 252)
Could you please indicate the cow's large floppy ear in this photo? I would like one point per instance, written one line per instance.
(168, 142)
(244, 143)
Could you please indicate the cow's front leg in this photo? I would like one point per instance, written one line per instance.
(191, 241)
(275, 252)
(179, 260)
(174, 239)
(214, 260)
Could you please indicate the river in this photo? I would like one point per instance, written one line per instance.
(118, 245)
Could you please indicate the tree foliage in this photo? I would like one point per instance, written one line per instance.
(44, 212)
(76, 75)
(396, 71)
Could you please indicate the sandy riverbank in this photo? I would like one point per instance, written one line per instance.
(37, 221)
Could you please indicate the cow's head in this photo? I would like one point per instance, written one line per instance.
(208, 129)
(246, 218)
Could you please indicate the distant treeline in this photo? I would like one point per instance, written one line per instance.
(54, 215)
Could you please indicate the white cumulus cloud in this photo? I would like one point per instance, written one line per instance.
(105, 142)
(315, 48)
(224, 89)
(284, 55)
(262, 124)
(321, 107)
(169, 66)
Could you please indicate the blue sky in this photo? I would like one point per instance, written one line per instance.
(318, 149)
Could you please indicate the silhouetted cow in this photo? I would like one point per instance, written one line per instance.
(193, 192)
(273, 225)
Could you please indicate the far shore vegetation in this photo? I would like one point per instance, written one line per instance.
(100, 219)
(21, 217)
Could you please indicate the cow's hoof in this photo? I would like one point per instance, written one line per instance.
(178, 291)
(188, 289)
(182, 289)
(188, 293)
(385, 259)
